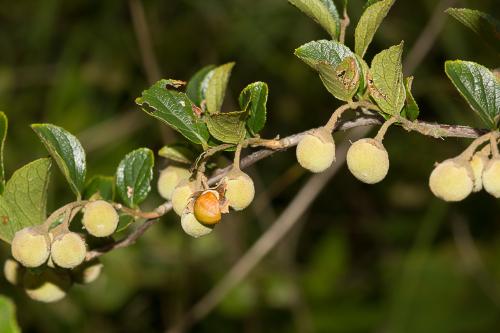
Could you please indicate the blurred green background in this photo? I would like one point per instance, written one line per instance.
(383, 258)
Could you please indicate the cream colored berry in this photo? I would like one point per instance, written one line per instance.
(491, 177)
(13, 272)
(30, 247)
(169, 178)
(100, 218)
(240, 189)
(68, 250)
(368, 160)
(181, 195)
(88, 272)
(477, 164)
(193, 227)
(48, 286)
(316, 151)
(452, 180)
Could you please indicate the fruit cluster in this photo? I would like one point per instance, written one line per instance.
(199, 206)
(49, 259)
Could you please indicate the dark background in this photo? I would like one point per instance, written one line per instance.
(383, 258)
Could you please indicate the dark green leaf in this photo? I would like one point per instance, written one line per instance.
(101, 186)
(368, 24)
(8, 322)
(322, 12)
(124, 222)
(3, 135)
(216, 87)
(24, 200)
(194, 88)
(386, 85)
(133, 176)
(254, 100)
(178, 153)
(479, 87)
(228, 127)
(486, 26)
(410, 110)
(175, 109)
(67, 151)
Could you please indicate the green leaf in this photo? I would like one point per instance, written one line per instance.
(228, 127)
(134, 175)
(178, 153)
(3, 135)
(368, 24)
(175, 109)
(410, 110)
(486, 26)
(363, 76)
(101, 186)
(23, 203)
(386, 85)
(8, 322)
(216, 87)
(479, 87)
(195, 88)
(67, 151)
(323, 51)
(322, 12)
(254, 100)
(335, 63)
(342, 81)
(124, 222)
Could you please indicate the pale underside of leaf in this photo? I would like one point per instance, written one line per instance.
(23, 204)
(386, 84)
(216, 87)
(368, 24)
(322, 12)
(228, 127)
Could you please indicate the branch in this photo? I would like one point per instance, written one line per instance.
(425, 128)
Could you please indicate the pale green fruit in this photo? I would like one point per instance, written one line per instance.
(30, 247)
(100, 218)
(240, 189)
(192, 226)
(88, 272)
(477, 164)
(181, 195)
(491, 177)
(368, 160)
(452, 180)
(13, 272)
(68, 250)
(48, 286)
(316, 151)
(169, 178)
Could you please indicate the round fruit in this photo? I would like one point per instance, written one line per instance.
(477, 164)
(30, 247)
(100, 218)
(316, 151)
(48, 286)
(87, 272)
(207, 208)
(240, 190)
(491, 177)
(368, 160)
(193, 227)
(68, 250)
(169, 178)
(181, 195)
(452, 180)
(12, 271)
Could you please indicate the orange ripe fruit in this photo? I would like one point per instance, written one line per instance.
(207, 208)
